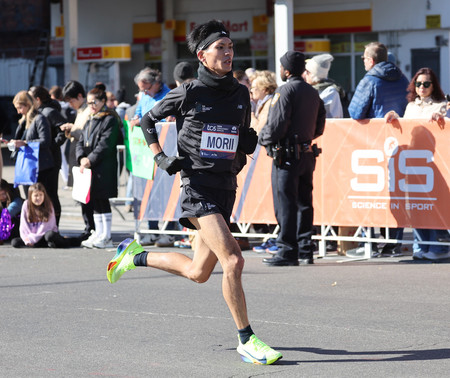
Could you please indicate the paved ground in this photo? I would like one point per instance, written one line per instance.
(59, 316)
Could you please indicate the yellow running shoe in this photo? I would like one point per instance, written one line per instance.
(257, 352)
(123, 260)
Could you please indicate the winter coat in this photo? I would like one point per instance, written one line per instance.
(98, 142)
(39, 131)
(382, 89)
(52, 111)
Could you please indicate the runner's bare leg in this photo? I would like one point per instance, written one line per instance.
(214, 242)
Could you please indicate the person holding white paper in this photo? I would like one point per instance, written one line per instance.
(96, 149)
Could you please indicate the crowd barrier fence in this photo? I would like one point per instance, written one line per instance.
(369, 174)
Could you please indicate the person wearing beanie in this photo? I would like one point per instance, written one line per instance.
(296, 118)
(316, 74)
(183, 72)
(214, 136)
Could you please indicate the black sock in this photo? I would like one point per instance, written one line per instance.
(140, 259)
(245, 333)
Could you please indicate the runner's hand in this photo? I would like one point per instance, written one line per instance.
(171, 164)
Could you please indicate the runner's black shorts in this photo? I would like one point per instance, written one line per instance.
(197, 201)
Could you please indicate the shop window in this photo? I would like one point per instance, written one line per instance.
(363, 39)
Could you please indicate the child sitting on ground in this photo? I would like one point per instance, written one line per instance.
(38, 227)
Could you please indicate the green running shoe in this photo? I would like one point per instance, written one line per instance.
(257, 352)
(123, 260)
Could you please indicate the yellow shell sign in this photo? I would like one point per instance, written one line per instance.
(103, 53)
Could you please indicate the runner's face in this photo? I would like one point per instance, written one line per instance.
(218, 57)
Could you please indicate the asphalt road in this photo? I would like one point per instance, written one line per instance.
(60, 317)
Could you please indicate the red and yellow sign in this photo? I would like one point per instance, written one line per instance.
(316, 46)
(352, 21)
(105, 53)
(143, 32)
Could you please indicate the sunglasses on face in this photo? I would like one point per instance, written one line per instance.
(95, 102)
(426, 84)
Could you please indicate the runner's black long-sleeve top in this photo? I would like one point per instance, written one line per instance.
(199, 108)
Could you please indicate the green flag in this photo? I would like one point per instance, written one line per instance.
(139, 157)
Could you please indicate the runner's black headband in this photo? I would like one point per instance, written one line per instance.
(210, 39)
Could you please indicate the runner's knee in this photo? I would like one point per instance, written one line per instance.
(233, 264)
(199, 275)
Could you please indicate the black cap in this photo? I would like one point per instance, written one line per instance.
(294, 62)
(183, 71)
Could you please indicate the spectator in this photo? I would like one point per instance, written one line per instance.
(38, 227)
(316, 74)
(121, 105)
(51, 110)
(242, 78)
(70, 114)
(96, 149)
(382, 89)
(183, 73)
(427, 101)
(74, 94)
(262, 88)
(332, 95)
(10, 199)
(150, 82)
(251, 73)
(34, 127)
(154, 90)
(296, 117)
(111, 101)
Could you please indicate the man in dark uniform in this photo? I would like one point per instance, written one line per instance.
(296, 117)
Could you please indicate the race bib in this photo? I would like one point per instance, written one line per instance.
(219, 141)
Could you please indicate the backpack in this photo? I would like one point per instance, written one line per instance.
(6, 225)
(325, 83)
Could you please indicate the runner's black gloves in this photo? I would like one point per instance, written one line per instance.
(247, 140)
(171, 164)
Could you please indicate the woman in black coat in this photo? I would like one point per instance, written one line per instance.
(96, 149)
(52, 111)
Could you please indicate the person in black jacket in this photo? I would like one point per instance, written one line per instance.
(34, 127)
(296, 117)
(212, 119)
(51, 110)
(96, 149)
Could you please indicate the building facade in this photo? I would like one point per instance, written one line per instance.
(416, 32)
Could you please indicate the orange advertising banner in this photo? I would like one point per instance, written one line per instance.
(375, 174)
(369, 174)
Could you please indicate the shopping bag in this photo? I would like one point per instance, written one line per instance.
(81, 190)
(27, 164)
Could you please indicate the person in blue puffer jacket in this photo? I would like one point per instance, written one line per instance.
(383, 87)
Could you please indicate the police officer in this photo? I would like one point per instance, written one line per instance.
(296, 117)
